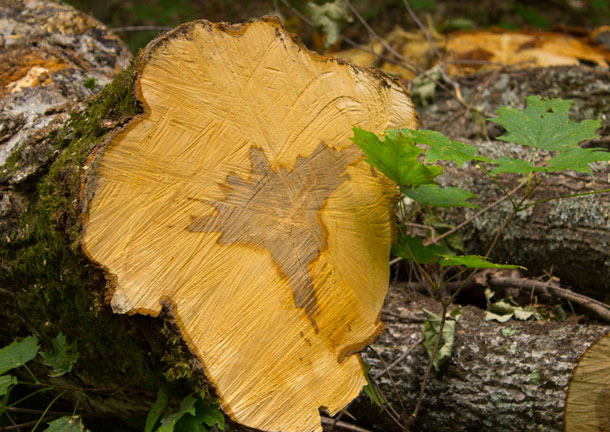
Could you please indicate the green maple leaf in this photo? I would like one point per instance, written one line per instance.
(18, 353)
(473, 261)
(509, 165)
(434, 195)
(441, 147)
(544, 124)
(409, 247)
(396, 157)
(60, 359)
(578, 159)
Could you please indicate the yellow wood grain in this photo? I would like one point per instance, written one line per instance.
(588, 401)
(239, 199)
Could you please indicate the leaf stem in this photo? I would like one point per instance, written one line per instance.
(47, 409)
(565, 196)
(493, 178)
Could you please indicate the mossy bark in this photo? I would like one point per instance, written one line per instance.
(49, 286)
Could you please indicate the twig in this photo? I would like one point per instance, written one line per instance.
(424, 382)
(423, 29)
(35, 411)
(398, 360)
(391, 379)
(413, 66)
(600, 308)
(343, 425)
(23, 425)
(463, 224)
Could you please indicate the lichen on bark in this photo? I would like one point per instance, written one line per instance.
(52, 286)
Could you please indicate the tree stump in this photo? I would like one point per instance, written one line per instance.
(238, 200)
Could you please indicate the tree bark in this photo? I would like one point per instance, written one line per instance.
(511, 381)
(568, 238)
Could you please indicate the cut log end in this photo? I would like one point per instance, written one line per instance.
(588, 401)
(239, 198)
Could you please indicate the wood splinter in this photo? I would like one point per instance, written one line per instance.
(238, 198)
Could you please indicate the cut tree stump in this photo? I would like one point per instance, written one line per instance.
(239, 199)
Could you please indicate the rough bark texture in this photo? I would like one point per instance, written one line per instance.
(48, 124)
(493, 381)
(569, 238)
(53, 59)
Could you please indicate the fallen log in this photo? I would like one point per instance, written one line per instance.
(511, 376)
(235, 201)
(567, 238)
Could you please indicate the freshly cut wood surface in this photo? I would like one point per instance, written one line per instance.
(239, 200)
(588, 401)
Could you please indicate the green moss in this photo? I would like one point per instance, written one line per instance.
(58, 288)
(89, 83)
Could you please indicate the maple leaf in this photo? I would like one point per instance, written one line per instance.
(544, 124)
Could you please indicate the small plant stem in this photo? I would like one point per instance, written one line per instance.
(499, 233)
(473, 217)
(529, 179)
(422, 270)
(564, 196)
(30, 395)
(453, 277)
(385, 366)
(47, 409)
(424, 383)
(31, 374)
(493, 179)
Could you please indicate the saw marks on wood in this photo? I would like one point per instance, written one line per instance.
(588, 401)
(239, 199)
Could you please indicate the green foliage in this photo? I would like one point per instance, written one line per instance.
(60, 359)
(578, 159)
(90, 83)
(156, 410)
(192, 415)
(66, 424)
(441, 147)
(473, 261)
(6, 382)
(18, 353)
(187, 407)
(434, 195)
(404, 156)
(544, 124)
(396, 157)
(411, 248)
(370, 389)
(509, 165)
(531, 16)
(431, 330)
(535, 377)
